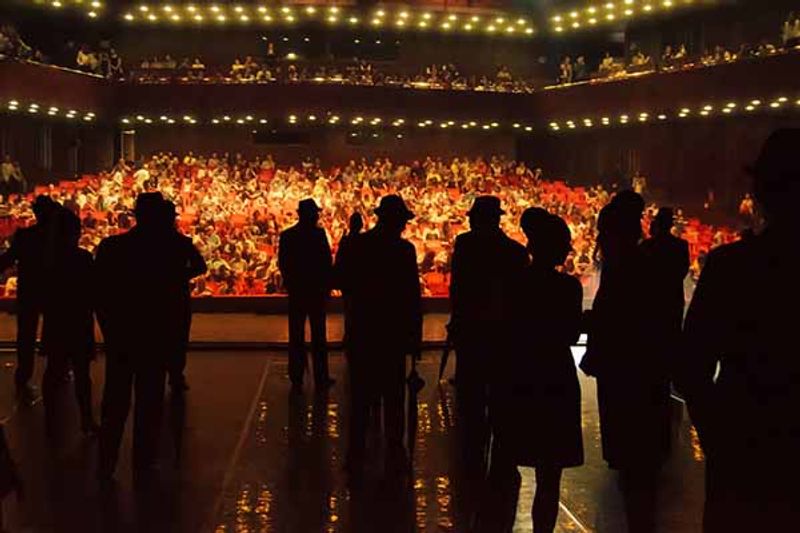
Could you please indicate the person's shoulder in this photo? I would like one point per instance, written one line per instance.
(569, 281)
(408, 247)
(515, 246)
(732, 257)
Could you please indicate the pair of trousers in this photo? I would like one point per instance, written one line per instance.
(143, 375)
(377, 378)
(27, 325)
(311, 307)
(58, 364)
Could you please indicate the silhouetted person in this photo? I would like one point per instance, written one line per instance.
(486, 266)
(633, 390)
(345, 248)
(27, 252)
(195, 266)
(68, 329)
(141, 277)
(381, 272)
(536, 399)
(668, 258)
(304, 258)
(741, 373)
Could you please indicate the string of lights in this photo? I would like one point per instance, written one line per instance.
(383, 18)
(611, 12)
(92, 8)
(334, 119)
(35, 108)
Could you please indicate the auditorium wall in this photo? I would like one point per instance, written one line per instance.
(330, 146)
(683, 162)
(53, 150)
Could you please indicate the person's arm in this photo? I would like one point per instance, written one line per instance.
(573, 311)
(685, 261)
(414, 292)
(11, 255)
(284, 261)
(705, 331)
(327, 261)
(196, 265)
(456, 274)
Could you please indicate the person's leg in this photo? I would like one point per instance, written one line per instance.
(639, 491)
(51, 381)
(149, 382)
(359, 407)
(498, 494)
(177, 364)
(319, 343)
(545, 502)
(27, 325)
(114, 411)
(297, 340)
(393, 388)
(83, 391)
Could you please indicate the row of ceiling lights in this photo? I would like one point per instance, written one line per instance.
(610, 12)
(400, 19)
(332, 119)
(34, 108)
(706, 110)
(93, 7)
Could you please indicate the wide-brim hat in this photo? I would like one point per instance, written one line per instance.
(309, 205)
(148, 203)
(393, 205)
(486, 205)
(778, 159)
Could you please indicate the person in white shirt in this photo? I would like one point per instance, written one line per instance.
(141, 176)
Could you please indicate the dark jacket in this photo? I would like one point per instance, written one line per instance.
(486, 268)
(668, 257)
(386, 304)
(742, 318)
(69, 308)
(304, 258)
(141, 280)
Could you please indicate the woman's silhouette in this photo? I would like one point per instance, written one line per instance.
(536, 403)
(632, 381)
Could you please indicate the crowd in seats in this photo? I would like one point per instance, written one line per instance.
(102, 60)
(677, 57)
(234, 209)
(14, 46)
(355, 72)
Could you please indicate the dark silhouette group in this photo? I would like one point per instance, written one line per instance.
(514, 317)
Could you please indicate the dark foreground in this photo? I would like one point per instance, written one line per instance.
(242, 454)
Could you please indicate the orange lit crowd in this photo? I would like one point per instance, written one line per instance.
(234, 209)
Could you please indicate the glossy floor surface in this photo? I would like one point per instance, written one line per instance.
(243, 454)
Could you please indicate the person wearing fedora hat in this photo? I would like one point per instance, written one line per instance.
(27, 252)
(486, 267)
(380, 272)
(739, 368)
(306, 264)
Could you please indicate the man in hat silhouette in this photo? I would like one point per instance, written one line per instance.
(741, 371)
(486, 267)
(385, 326)
(668, 260)
(141, 278)
(304, 258)
(27, 251)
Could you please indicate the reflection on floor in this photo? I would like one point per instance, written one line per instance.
(244, 455)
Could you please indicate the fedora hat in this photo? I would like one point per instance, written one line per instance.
(393, 205)
(486, 205)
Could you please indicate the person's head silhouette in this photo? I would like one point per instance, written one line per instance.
(356, 223)
(149, 210)
(630, 202)
(776, 177)
(617, 231)
(549, 238)
(68, 228)
(43, 206)
(485, 212)
(393, 215)
(663, 222)
(308, 212)
(531, 219)
(168, 214)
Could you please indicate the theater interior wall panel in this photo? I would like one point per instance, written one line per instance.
(50, 150)
(682, 162)
(332, 147)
